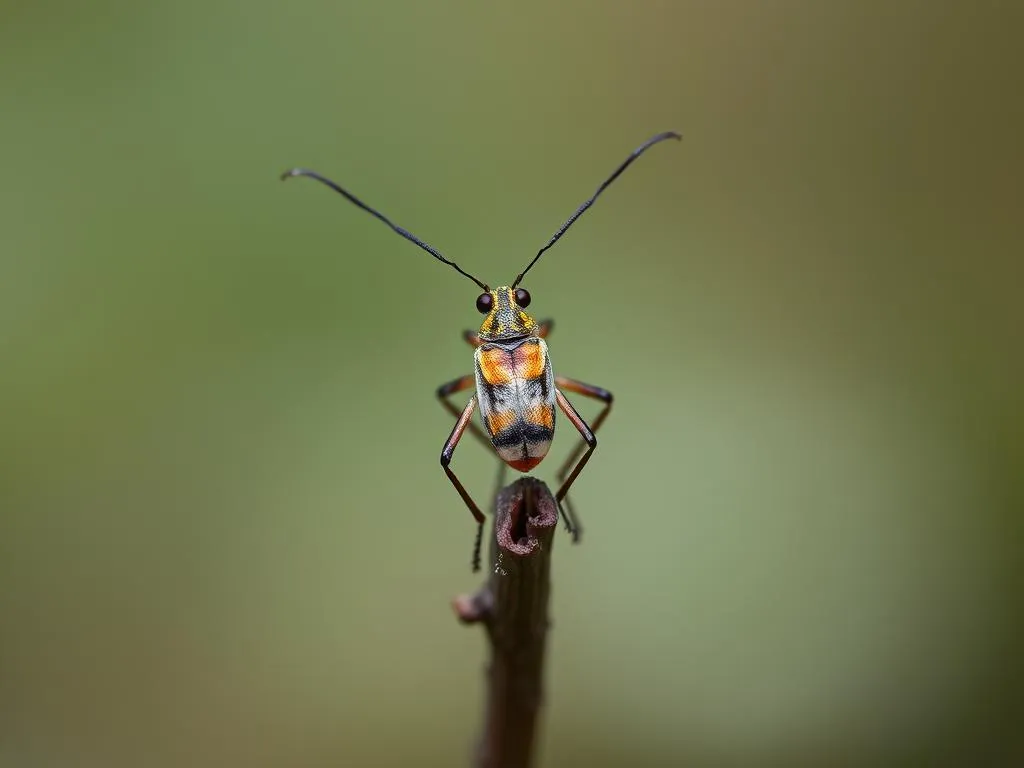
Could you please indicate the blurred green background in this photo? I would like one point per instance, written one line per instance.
(224, 535)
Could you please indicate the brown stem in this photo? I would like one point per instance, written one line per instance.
(512, 605)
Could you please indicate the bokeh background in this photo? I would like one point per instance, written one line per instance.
(224, 535)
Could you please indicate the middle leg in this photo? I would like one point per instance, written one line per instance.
(446, 457)
(444, 393)
(604, 396)
(588, 436)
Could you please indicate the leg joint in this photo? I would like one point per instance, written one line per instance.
(457, 385)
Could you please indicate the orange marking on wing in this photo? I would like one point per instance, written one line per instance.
(529, 361)
(495, 366)
(542, 415)
(499, 420)
(525, 464)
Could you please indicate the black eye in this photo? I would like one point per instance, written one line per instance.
(484, 302)
(522, 297)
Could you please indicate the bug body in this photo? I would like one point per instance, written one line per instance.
(515, 387)
(516, 390)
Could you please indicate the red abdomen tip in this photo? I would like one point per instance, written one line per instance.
(525, 465)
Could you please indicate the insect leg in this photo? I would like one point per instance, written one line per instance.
(472, 338)
(598, 394)
(458, 385)
(588, 435)
(587, 390)
(446, 458)
(544, 327)
(443, 393)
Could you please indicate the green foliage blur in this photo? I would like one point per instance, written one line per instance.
(224, 535)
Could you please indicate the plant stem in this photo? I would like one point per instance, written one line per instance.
(512, 605)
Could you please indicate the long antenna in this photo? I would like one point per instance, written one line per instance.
(378, 215)
(583, 208)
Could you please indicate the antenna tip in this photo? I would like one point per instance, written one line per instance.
(291, 172)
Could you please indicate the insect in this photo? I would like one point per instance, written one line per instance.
(516, 390)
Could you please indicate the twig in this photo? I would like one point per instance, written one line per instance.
(513, 607)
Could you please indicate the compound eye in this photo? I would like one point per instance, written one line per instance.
(484, 302)
(522, 297)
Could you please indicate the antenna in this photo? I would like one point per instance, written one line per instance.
(378, 215)
(583, 208)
